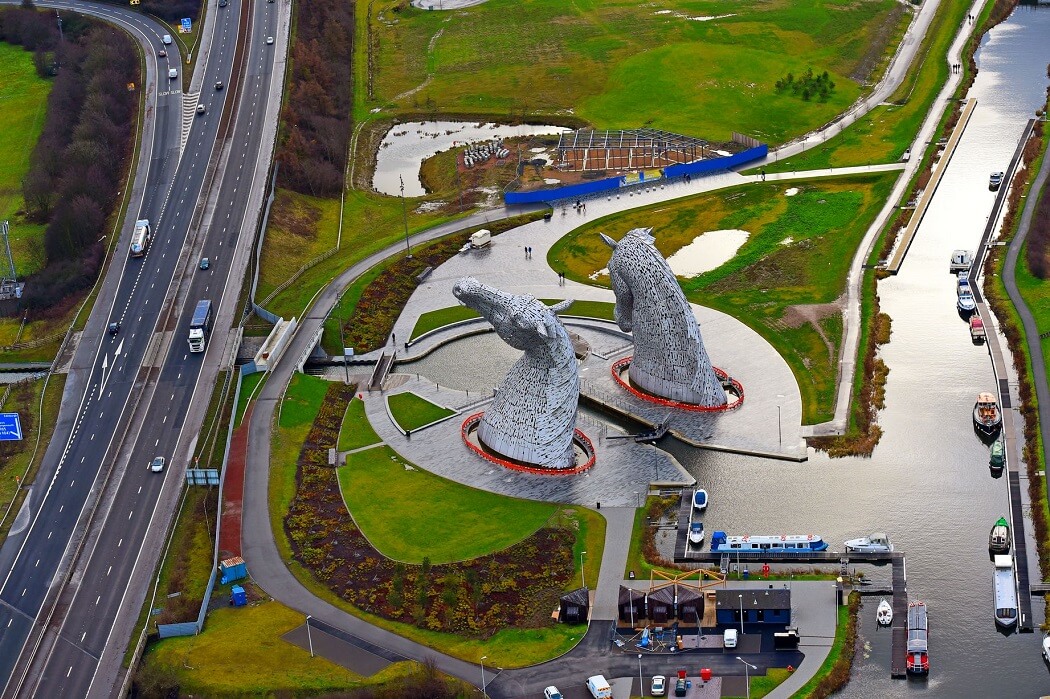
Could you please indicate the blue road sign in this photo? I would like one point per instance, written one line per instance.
(10, 427)
(187, 25)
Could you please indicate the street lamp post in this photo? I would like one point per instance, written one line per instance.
(641, 685)
(747, 677)
(583, 571)
(404, 214)
(309, 638)
(483, 692)
(741, 614)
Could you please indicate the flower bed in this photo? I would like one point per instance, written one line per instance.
(516, 587)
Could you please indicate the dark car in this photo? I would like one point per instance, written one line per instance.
(218, 85)
(679, 687)
(114, 328)
(205, 263)
(223, 3)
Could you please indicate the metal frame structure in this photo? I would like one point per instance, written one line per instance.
(590, 149)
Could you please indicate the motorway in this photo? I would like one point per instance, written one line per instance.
(146, 366)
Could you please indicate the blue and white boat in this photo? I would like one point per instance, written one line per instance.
(1005, 592)
(696, 533)
(699, 500)
(789, 543)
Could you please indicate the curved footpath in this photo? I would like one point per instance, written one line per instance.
(1031, 330)
(270, 571)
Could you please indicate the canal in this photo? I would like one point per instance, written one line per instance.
(927, 484)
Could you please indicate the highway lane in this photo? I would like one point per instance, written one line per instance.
(137, 304)
(86, 633)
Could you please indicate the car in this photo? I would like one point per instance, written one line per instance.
(223, 3)
(552, 691)
(162, 53)
(201, 109)
(218, 85)
(166, 38)
(679, 687)
(114, 328)
(269, 40)
(205, 263)
(157, 465)
(995, 180)
(729, 639)
(659, 686)
(172, 73)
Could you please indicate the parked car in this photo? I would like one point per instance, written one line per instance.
(729, 639)
(659, 686)
(680, 687)
(551, 693)
(157, 465)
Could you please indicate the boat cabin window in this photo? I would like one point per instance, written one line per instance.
(763, 546)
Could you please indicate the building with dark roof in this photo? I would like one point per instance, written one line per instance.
(759, 606)
(573, 607)
(631, 604)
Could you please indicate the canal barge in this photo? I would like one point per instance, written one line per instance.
(1005, 592)
(786, 543)
(918, 640)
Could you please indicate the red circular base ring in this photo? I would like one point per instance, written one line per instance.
(620, 364)
(474, 419)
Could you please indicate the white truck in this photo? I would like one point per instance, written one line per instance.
(140, 238)
(599, 687)
(480, 239)
(200, 326)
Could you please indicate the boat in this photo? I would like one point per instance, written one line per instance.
(966, 303)
(962, 284)
(997, 456)
(884, 614)
(783, 543)
(995, 180)
(987, 419)
(1046, 648)
(876, 543)
(699, 500)
(999, 537)
(977, 331)
(960, 261)
(1005, 592)
(696, 533)
(918, 640)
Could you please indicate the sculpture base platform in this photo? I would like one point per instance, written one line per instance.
(733, 388)
(584, 449)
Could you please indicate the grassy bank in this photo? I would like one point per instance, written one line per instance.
(888, 130)
(356, 431)
(509, 647)
(621, 64)
(432, 320)
(412, 412)
(783, 282)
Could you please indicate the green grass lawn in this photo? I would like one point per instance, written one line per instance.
(356, 431)
(23, 95)
(622, 64)
(409, 514)
(432, 320)
(240, 653)
(887, 130)
(250, 387)
(412, 412)
(824, 222)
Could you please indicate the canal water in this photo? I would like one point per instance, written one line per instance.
(406, 146)
(927, 484)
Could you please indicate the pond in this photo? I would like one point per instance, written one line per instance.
(406, 146)
(707, 251)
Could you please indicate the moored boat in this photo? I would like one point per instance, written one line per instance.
(999, 537)
(1046, 648)
(784, 543)
(884, 614)
(977, 331)
(696, 533)
(997, 456)
(876, 543)
(918, 640)
(1005, 592)
(960, 261)
(987, 419)
(966, 303)
(699, 500)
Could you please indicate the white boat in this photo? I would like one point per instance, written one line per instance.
(966, 303)
(884, 614)
(987, 419)
(876, 543)
(699, 500)
(696, 533)
(960, 261)
(789, 543)
(1005, 592)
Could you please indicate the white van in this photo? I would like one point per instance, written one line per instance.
(730, 638)
(599, 687)
(166, 38)
(481, 238)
